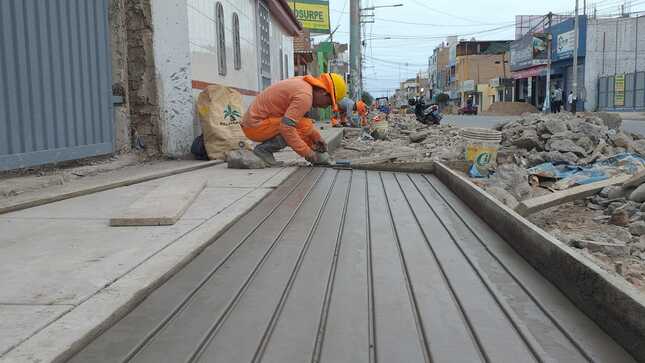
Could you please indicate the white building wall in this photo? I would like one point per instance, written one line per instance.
(203, 43)
(173, 75)
(280, 41)
(618, 53)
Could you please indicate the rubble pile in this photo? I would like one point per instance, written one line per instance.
(407, 138)
(538, 138)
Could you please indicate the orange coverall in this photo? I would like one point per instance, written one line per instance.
(290, 99)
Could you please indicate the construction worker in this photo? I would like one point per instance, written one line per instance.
(361, 108)
(345, 109)
(276, 118)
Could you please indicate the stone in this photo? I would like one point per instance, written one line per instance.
(604, 193)
(622, 140)
(565, 145)
(503, 196)
(616, 192)
(619, 217)
(637, 228)
(528, 139)
(555, 126)
(594, 206)
(638, 195)
(643, 207)
(244, 159)
(555, 156)
(611, 120)
(595, 133)
(419, 136)
(610, 249)
(639, 147)
(586, 143)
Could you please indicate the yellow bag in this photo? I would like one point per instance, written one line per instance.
(220, 112)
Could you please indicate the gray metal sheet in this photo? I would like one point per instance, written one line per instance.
(354, 266)
(55, 81)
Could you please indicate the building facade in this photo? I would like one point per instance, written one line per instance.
(615, 64)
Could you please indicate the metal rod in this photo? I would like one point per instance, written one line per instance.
(574, 87)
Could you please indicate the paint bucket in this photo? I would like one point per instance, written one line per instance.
(481, 149)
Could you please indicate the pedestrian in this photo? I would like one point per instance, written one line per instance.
(276, 118)
(570, 101)
(557, 98)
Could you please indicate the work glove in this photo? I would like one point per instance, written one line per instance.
(320, 146)
(317, 158)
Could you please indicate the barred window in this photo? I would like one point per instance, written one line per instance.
(221, 39)
(237, 51)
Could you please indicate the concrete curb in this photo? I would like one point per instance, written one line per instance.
(614, 305)
(103, 187)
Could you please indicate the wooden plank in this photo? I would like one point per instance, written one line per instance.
(546, 201)
(162, 206)
(97, 186)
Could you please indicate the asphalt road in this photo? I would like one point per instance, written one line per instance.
(635, 126)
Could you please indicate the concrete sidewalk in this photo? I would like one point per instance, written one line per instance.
(68, 275)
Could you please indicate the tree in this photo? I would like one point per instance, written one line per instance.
(367, 98)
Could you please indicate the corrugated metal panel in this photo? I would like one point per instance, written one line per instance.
(55, 87)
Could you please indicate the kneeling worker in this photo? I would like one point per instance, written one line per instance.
(276, 118)
(342, 118)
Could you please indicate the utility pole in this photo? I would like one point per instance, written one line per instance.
(547, 102)
(355, 48)
(574, 86)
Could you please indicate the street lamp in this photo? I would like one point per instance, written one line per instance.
(382, 6)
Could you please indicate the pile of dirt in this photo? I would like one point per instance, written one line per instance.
(511, 108)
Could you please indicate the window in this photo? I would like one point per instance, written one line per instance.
(286, 66)
(237, 51)
(265, 45)
(221, 40)
(281, 65)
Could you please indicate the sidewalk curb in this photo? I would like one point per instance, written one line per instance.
(103, 187)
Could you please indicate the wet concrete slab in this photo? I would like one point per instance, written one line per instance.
(356, 266)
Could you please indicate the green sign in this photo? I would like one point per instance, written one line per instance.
(619, 90)
(313, 14)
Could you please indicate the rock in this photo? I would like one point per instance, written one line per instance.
(618, 233)
(586, 143)
(419, 136)
(503, 196)
(594, 206)
(643, 207)
(610, 249)
(604, 193)
(619, 217)
(244, 159)
(565, 145)
(638, 195)
(528, 139)
(622, 140)
(555, 156)
(514, 179)
(615, 192)
(640, 245)
(555, 126)
(595, 133)
(637, 228)
(611, 120)
(639, 147)
(563, 237)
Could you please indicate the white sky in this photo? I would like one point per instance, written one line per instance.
(385, 59)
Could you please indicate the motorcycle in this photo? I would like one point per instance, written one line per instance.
(426, 114)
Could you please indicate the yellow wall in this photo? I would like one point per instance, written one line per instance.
(487, 94)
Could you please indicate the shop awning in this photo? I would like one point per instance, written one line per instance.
(530, 72)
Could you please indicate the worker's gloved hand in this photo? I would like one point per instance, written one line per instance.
(317, 158)
(320, 146)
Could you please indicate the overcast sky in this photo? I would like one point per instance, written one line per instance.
(420, 25)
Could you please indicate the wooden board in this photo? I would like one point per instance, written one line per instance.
(162, 206)
(531, 206)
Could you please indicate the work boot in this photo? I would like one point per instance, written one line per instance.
(266, 149)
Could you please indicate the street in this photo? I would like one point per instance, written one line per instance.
(635, 126)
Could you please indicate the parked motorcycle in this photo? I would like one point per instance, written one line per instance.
(426, 114)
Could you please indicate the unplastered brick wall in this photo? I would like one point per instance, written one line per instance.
(142, 86)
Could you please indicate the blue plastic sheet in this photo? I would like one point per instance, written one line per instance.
(567, 175)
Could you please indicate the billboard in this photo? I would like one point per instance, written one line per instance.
(619, 90)
(312, 14)
(529, 51)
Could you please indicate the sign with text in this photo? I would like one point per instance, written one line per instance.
(528, 52)
(313, 14)
(619, 90)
